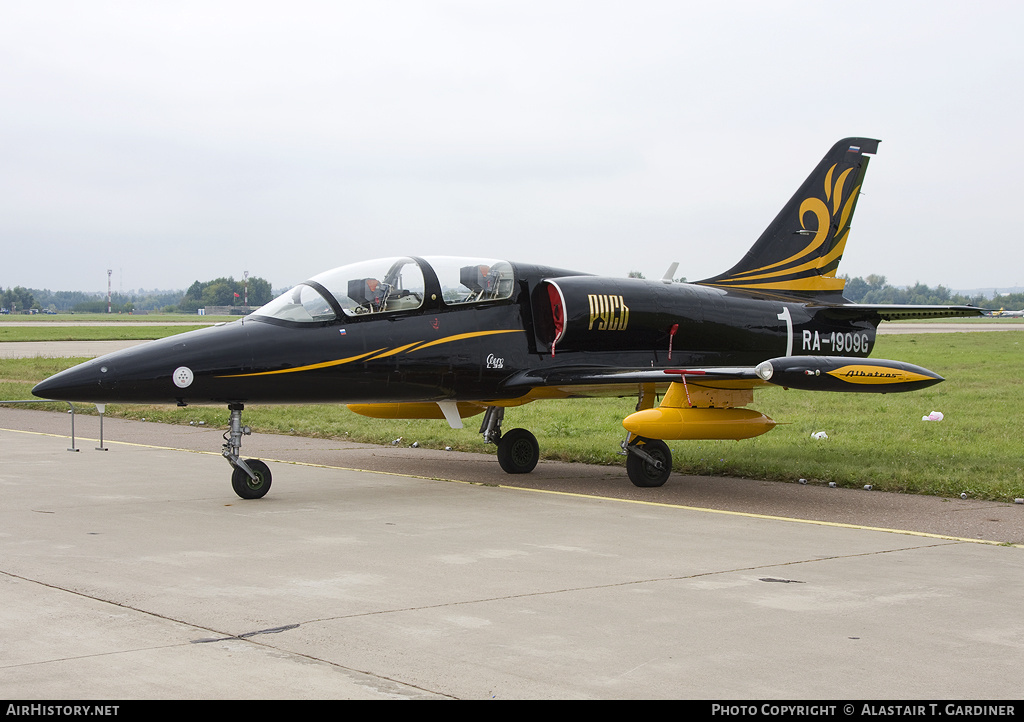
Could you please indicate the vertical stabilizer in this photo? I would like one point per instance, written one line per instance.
(801, 249)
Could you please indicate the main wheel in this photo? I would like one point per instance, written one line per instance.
(518, 451)
(251, 488)
(644, 473)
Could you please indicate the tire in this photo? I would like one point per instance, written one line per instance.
(248, 488)
(644, 474)
(518, 451)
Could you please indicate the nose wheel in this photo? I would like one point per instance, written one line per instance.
(251, 487)
(250, 478)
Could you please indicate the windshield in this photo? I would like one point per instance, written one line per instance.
(302, 303)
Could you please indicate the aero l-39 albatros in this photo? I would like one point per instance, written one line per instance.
(433, 338)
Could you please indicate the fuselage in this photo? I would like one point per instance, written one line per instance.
(424, 342)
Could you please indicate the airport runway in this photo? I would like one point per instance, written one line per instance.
(62, 349)
(135, 573)
(949, 327)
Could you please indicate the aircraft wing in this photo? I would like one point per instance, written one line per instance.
(810, 373)
(601, 381)
(903, 312)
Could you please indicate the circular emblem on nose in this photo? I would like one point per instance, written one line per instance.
(182, 377)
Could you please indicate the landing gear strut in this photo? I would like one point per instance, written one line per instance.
(518, 450)
(251, 477)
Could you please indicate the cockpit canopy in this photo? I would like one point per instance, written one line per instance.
(388, 285)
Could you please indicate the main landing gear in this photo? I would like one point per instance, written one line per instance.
(648, 461)
(518, 450)
(251, 477)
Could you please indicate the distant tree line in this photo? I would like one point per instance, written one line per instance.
(120, 302)
(18, 299)
(218, 292)
(875, 289)
(225, 292)
(1008, 302)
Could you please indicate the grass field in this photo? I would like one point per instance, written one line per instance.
(34, 318)
(15, 332)
(873, 439)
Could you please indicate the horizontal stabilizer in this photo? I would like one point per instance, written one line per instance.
(899, 312)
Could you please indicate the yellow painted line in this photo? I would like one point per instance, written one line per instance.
(108, 441)
(752, 515)
(747, 514)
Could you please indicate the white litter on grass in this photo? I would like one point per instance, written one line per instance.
(819, 435)
(933, 416)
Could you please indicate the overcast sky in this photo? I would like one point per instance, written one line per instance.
(182, 141)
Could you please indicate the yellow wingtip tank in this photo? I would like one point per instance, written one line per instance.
(837, 373)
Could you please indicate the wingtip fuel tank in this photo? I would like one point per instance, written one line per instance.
(837, 373)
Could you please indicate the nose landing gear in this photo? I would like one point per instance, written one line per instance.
(250, 478)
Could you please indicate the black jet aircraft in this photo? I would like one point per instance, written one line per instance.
(449, 338)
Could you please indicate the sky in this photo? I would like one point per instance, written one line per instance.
(179, 141)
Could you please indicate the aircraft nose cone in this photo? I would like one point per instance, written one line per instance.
(87, 382)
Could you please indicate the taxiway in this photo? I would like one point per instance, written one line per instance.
(384, 572)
